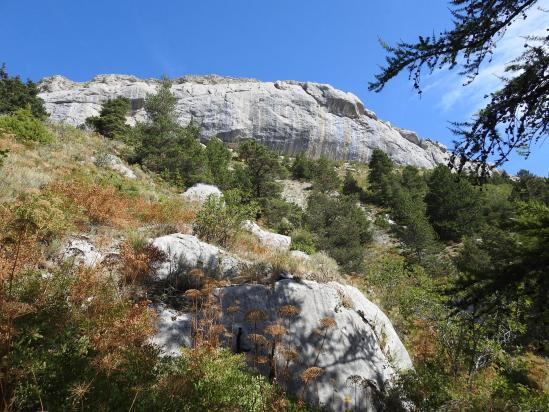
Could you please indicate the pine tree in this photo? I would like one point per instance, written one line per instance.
(111, 121)
(516, 116)
(14, 95)
(453, 204)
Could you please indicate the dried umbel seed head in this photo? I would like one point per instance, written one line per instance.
(327, 323)
(257, 339)
(255, 315)
(276, 330)
(217, 329)
(311, 374)
(288, 311)
(354, 380)
(233, 309)
(79, 390)
(193, 294)
(261, 360)
(290, 355)
(196, 273)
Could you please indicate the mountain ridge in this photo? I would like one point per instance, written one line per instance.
(286, 115)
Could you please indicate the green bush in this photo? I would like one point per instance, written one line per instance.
(302, 168)
(340, 227)
(221, 217)
(303, 240)
(25, 127)
(325, 177)
(15, 95)
(281, 215)
(111, 121)
(262, 168)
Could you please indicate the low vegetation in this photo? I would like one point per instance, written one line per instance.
(463, 275)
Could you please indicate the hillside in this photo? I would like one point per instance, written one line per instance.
(142, 269)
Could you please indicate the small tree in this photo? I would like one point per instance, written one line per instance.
(221, 217)
(453, 204)
(219, 158)
(14, 95)
(165, 147)
(111, 121)
(302, 168)
(262, 168)
(381, 167)
(341, 228)
(325, 178)
(351, 186)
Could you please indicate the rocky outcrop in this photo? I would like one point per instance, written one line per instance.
(116, 164)
(288, 116)
(187, 251)
(268, 239)
(80, 251)
(360, 343)
(200, 192)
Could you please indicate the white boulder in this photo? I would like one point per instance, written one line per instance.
(113, 162)
(268, 239)
(360, 344)
(200, 192)
(187, 251)
(81, 252)
(300, 255)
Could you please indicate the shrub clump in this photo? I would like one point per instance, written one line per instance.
(25, 127)
(220, 219)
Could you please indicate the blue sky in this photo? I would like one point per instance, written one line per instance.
(333, 42)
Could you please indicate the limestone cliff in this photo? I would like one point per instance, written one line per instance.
(288, 116)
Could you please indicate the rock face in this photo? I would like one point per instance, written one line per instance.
(360, 344)
(287, 116)
(200, 192)
(268, 239)
(187, 251)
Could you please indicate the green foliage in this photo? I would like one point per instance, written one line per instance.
(381, 167)
(16, 95)
(213, 377)
(351, 186)
(303, 240)
(453, 204)
(221, 217)
(514, 117)
(341, 228)
(505, 270)
(531, 187)
(111, 121)
(25, 127)
(219, 158)
(262, 168)
(281, 215)
(3, 156)
(165, 147)
(325, 177)
(302, 168)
